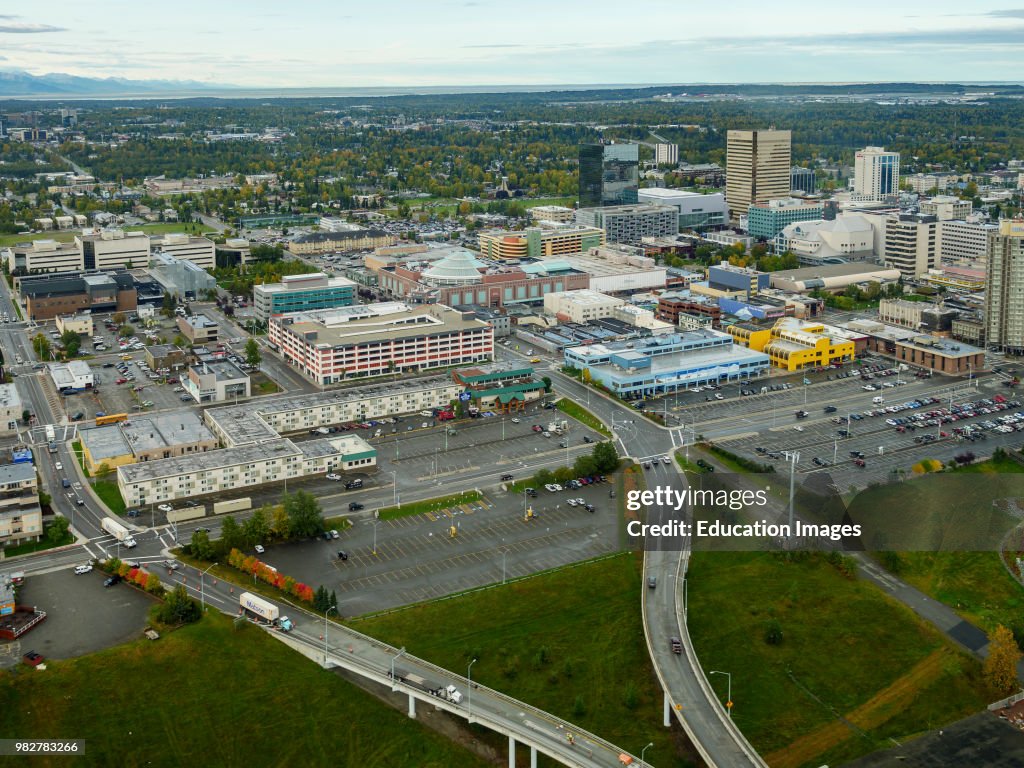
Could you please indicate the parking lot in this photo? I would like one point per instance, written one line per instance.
(417, 558)
(82, 616)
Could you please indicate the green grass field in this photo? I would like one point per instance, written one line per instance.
(210, 694)
(582, 415)
(572, 633)
(110, 494)
(847, 650)
(429, 505)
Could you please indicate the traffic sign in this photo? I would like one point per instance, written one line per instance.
(464, 396)
(728, 704)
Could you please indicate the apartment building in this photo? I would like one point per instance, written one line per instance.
(910, 244)
(351, 240)
(666, 154)
(148, 437)
(330, 346)
(946, 207)
(757, 167)
(631, 223)
(21, 518)
(300, 293)
(1004, 299)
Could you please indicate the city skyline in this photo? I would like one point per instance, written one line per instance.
(478, 42)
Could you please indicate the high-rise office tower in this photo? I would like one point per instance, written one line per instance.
(1004, 293)
(666, 154)
(757, 167)
(609, 174)
(876, 173)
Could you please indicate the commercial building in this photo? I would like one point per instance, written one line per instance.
(246, 466)
(72, 375)
(540, 242)
(198, 329)
(298, 293)
(233, 251)
(580, 306)
(609, 174)
(631, 223)
(677, 307)
(666, 154)
(666, 363)
(21, 518)
(499, 389)
(148, 437)
(216, 382)
(499, 321)
(558, 213)
(113, 249)
(614, 269)
(330, 346)
(696, 211)
(43, 256)
(46, 297)
(946, 207)
(953, 358)
(910, 244)
(956, 279)
(794, 344)
(726, 277)
(916, 315)
(200, 251)
(181, 277)
(166, 356)
(803, 180)
(929, 183)
(1004, 299)
(847, 238)
(757, 167)
(81, 324)
(876, 173)
(964, 242)
(11, 409)
(832, 277)
(766, 220)
(351, 240)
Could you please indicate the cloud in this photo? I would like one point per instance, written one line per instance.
(1007, 13)
(497, 45)
(19, 28)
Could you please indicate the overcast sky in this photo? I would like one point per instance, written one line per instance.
(312, 43)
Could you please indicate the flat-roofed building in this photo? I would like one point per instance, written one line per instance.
(330, 346)
(21, 518)
(216, 382)
(677, 306)
(964, 242)
(580, 306)
(630, 223)
(299, 293)
(198, 329)
(1004, 298)
(113, 248)
(196, 249)
(615, 268)
(793, 344)
(552, 213)
(726, 277)
(44, 256)
(553, 239)
(74, 374)
(832, 277)
(758, 166)
(666, 363)
(946, 208)
(181, 277)
(768, 219)
(80, 323)
(48, 296)
(917, 315)
(166, 356)
(696, 211)
(11, 409)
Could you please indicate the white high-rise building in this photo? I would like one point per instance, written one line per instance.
(876, 173)
(1004, 297)
(666, 154)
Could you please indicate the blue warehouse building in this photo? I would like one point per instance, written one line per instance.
(666, 364)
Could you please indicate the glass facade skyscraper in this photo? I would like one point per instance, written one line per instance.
(609, 174)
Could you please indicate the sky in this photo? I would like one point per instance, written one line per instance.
(316, 43)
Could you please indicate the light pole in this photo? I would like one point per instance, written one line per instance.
(394, 476)
(793, 457)
(504, 552)
(202, 587)
(326, 614)
(728, 702)
(469, 690)
(396, 657)
(375, 524)
(643, 752)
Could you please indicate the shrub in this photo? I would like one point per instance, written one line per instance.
(773, 632)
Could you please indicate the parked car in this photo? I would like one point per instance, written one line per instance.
(259, 549)
(334, 534)
(32, 658)
(333, 476)
(112, 580)
(80, 569)
(165, 508)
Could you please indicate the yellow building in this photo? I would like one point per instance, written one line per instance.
(794, 344)
(540, 242)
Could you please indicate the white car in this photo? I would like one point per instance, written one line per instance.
(666, 460)
(333, 476)
(798, 428)
(550, 487)
(571, 502)
(58, 466)
(259, 549)
(80, 569)
(428, 414)
(515, 421)
(334, 534)
(165, 508)
(579, 500)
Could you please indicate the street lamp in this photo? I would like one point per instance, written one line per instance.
(375, 524)
(504, 552)
(643, 752)
(396, 657)
(326, 613)
(202, 587)
(469, 689)
(728, 703)
(394, 476)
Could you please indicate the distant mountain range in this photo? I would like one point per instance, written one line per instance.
(15, 82)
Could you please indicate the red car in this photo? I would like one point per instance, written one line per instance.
(537, 428)
(32, 658)
(121, 381)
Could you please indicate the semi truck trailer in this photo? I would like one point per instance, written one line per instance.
(118, 531)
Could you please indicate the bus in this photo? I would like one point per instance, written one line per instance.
(111, 418)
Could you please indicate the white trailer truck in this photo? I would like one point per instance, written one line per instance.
(264, 610)
(118, 531)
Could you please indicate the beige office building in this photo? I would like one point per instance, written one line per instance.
(1004, 299)
(113, 249)
(757, 168)
(910, 244)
